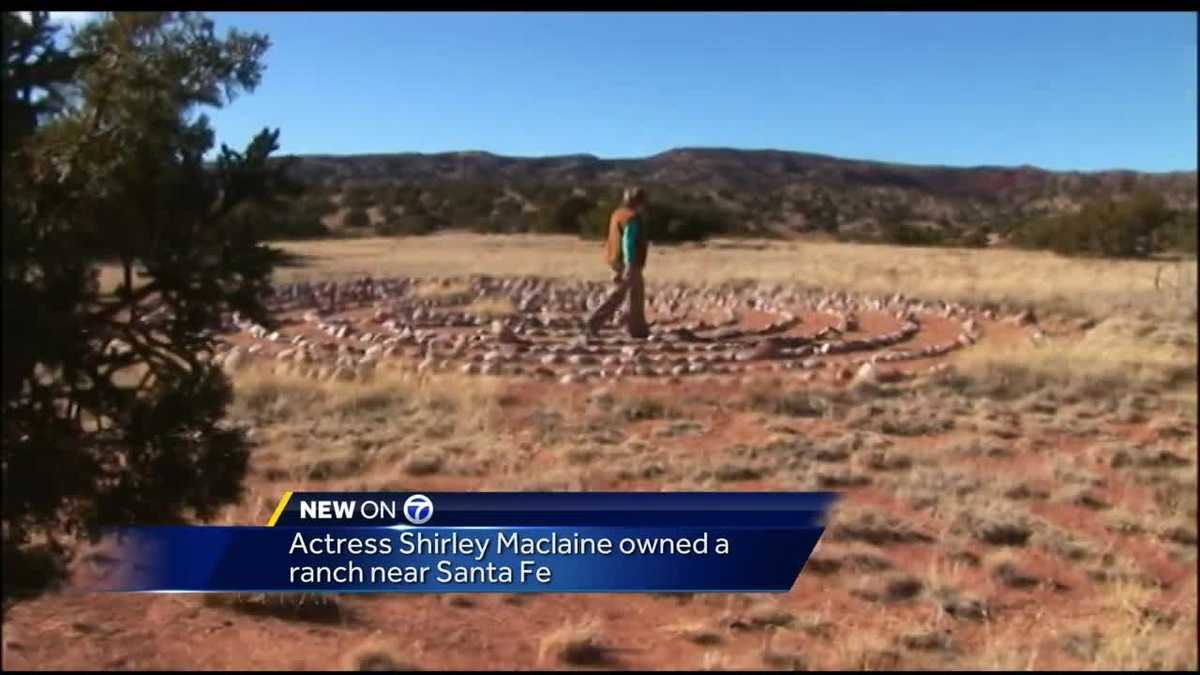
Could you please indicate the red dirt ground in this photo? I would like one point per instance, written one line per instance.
(64, 630)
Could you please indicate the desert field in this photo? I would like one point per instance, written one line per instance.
(1014, 435)
(1025, 278)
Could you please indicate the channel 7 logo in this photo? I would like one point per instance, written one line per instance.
(418, 509)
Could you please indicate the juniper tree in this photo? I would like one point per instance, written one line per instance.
(112, 413)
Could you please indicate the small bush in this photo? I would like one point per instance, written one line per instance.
(1107, 227)
(580, 644)
(1180, 234)
(976, 238)
(416, 224)
(359, 198)
(907, 234)
(567, 217)
(668, 221)
(356, 218)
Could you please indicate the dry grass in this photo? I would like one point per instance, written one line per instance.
(380, 435)
(383, 432)
(379, 655)
(777, 399)
(471, 404)
(1137, 630)
(1007, 647)
(698, 632)
(492, 306)
(577, 644)
(714, 660)
(769, 614)
(255, 508)
(321, 608)
(1112, 360)
(781, 658)
(442, 289)
(943, 574)
(1094, 287)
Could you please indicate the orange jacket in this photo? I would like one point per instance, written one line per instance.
(616, 229)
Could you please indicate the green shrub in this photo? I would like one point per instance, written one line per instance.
(280, 221)
(359, 197)
(975, 238)
(408, 224)
(907, 234)
(567, 217)
(356, 218)
(1103, 227)
(1180, 234)
(671, 221)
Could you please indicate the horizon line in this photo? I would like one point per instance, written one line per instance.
(707, 148)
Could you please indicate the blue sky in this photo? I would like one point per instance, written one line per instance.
(1079, 91)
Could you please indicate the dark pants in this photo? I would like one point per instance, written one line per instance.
(633, 285)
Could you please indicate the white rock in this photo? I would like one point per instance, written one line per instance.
(867, 374)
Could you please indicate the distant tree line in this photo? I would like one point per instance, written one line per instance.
(1131, 226)
(1137, 224)
(409, 209)
(670, 217)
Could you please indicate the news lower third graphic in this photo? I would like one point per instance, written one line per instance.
(511, 542)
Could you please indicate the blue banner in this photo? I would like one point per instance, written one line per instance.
(583, 542)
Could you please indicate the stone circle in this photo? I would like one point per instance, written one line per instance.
(348, 330)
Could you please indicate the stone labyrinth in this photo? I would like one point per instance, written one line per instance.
(348, 330)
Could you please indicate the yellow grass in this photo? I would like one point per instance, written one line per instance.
(1096, 287)
(1133, 640)
(1146, 338)
(446, 288)
(492, 306)
(579, 643)
(379, 653)
(472, 403)
(1116, 357)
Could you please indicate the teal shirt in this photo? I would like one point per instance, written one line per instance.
(629, 241)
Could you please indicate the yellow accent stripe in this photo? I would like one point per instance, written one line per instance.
(287, 496)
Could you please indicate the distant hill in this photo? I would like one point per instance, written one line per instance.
(762, 191)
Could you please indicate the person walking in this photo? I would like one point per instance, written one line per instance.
(625, 251)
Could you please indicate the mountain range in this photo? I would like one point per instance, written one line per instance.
(765, 191)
